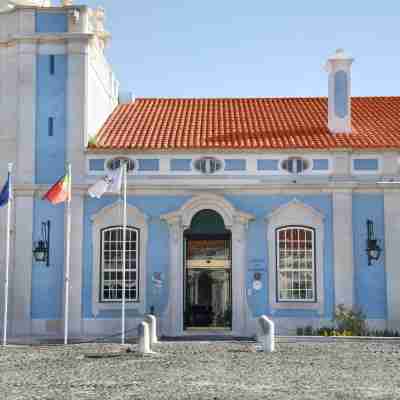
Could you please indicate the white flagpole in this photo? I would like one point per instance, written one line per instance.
(124, 223)
(67, 254)
(8, 244)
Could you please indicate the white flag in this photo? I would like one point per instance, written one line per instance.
(110, 183)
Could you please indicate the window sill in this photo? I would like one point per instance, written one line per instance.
(99, 308)
(297, 305)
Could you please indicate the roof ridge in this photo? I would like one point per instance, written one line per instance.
(257, 98)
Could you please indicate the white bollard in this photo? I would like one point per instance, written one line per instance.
(267, 338)
(144, 338)
(152, 321)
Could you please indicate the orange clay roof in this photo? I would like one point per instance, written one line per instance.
(247, 123)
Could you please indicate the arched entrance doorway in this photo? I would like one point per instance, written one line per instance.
(180, 222)
(208, 273)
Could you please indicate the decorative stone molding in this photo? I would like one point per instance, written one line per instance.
(292, 208)
(112, 216)
(296, 213)
(178, 221)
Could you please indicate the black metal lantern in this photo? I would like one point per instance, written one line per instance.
(41, 248)
(373, 249)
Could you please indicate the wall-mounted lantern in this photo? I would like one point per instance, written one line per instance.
(373, 249)
(42, 247)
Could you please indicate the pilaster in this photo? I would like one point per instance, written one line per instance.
(390, 161)
(26, 127)
(77, 89)
(240, 312)
(21, 268)
(343, 247)
(75, 310)
(391, 253)
(172, 321)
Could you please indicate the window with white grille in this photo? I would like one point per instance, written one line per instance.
(296, 264)
(111, 264)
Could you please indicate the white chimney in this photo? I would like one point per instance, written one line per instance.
(339, 95)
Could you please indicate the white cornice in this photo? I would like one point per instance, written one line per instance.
(135, 188)
(46, 38)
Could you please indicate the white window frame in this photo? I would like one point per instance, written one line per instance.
(103, 270)
(295, 213)
(279, 268)
(107, 217)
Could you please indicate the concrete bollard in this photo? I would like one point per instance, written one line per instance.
(144, 338)
(267, 336)
(152, 321)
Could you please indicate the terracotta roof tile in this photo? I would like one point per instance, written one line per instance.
(254, 123)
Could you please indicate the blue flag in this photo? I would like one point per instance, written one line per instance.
(5, 193)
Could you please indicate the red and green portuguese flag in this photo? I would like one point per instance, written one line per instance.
(59, 192)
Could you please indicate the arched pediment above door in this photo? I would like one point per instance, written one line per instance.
(219, 204)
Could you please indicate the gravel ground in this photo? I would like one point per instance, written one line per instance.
(219, 370)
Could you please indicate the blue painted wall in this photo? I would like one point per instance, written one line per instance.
(47, 22)
(370, 291)
(97, 164)
(370, 281)
(268, 165)
(181, 164)
(50, 102)
(257, 253)
(320, 164)
(157, 254)
(235, 165)
(158, 248)
(365, 164)
(341, 94)
(47, 283)
(149, 164)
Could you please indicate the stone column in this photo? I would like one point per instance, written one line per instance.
(21, 268)
(240, 312)
(75, 307)
(391, 254)
(172, 320)
(343, 247)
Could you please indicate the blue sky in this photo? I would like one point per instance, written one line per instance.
(236, 48)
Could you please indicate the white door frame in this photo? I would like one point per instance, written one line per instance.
(180, 220)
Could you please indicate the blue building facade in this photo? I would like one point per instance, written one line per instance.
(222, 226)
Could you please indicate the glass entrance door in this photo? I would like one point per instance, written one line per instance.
(208, 301)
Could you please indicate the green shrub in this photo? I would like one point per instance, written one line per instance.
(308, 331)
(351, 321)
(299, 331)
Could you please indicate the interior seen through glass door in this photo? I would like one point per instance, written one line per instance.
(208, 283)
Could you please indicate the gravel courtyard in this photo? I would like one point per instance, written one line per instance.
(197, 370)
